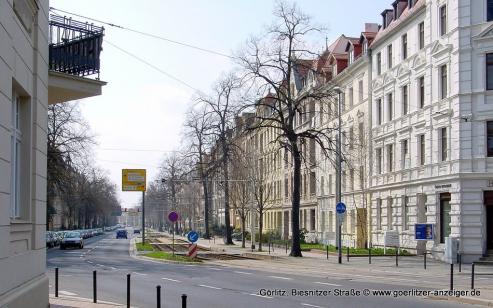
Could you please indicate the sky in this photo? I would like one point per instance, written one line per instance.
(138, 118)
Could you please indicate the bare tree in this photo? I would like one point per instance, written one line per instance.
(222, 108)
(198, 133)
(275, 64)
(241, 194)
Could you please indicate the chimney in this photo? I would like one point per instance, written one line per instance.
(370, 27)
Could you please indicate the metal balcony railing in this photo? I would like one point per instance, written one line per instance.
(74, 46)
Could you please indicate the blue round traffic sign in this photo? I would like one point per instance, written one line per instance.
(340, 208)
(173, 216)
(192, 236)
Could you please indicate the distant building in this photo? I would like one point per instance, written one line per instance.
(31, 77)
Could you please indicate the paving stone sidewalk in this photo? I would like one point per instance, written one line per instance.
(78, 302)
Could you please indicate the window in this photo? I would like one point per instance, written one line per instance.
(405, 100)
(286, 189)
(351, 138)
(443, 81)
(312, 220)
(390, 158)
(404, 154)
(489, 141)
(443, 20)
(379, 63)
(361, 177)
(421, 88)
(350, 98)
(489, 71)
(489, 10)
(421, 150)
(421, 30)
(379, 111)
(444, 143)
(15, 162)
(390, 223)
(390, 107)
(378, 156)
(445, 218)
(360, 90)
(379, 214)
(330, 184)
(405, 213)
(404, 46)
(351, 179)
(389, 56)
(361, 133)
(313, 183)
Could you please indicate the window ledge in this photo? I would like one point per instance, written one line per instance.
(19, 221)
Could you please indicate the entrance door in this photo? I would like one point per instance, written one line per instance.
(488, 204)
(444, 216)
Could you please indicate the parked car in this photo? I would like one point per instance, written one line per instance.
(72, 239)
(136, 231)
(121, 234)
(50, 241)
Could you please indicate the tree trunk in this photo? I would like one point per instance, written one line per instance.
(227, 221)
(206, 208)
(295, 211)
(243, 218)
(260, 228)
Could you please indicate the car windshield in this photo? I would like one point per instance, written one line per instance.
(72, 235)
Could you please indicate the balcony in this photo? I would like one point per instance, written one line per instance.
(74, 60)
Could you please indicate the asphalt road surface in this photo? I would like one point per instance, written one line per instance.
(207, 286)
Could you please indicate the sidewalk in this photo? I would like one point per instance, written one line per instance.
(410, 271)
(78, 302)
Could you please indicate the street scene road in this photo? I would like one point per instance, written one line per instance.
(218, 284)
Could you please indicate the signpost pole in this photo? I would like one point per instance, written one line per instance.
(143, 218)
(173, 243)
(339, 173)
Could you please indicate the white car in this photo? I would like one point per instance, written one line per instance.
(72, 239)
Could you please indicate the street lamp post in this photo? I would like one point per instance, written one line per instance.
(339, 173)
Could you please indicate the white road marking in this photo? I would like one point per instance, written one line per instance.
(139, 274)
(210, 287)
(328, 284)
(258, 295)
(99, 264)
(67, 293)
(113, 268)
(310, 305)
(279, 277)
(245, 273)
(215, 269)
(66, 275)
(90, 262)
(174, 280)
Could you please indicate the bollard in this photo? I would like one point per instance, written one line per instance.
(460, 263)
(472, 277)
(451, 276)
(128, 290)
(347, 253)
(183, 301)
(369, 255)
(56, 281)
(424, 259)
(397, 257)
(158, 296)
(327, 252)
(286, 246)
(94, 288)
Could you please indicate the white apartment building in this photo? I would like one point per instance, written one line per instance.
(431, 125)
(27, 86)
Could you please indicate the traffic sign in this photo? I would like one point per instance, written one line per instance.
(133, 180)
(340, 208)
(173, 216)
(192, 236)
(192, 251)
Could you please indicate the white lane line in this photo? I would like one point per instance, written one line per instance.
(279, 277)
(139, 274)
(258, 295)
(210, 287)
(65, 275)
(215, 269)
(67, 293)
(245, 273)
(310, 305)
(328, 284)
(90, 262)
(174, 280)
(99, 264)
(113, 268)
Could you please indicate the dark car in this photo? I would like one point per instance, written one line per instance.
(136, 231)
(121, 234)
(72, 239)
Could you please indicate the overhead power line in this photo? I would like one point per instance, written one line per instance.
(147, 34)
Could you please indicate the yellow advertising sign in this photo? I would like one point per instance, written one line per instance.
(133, 179)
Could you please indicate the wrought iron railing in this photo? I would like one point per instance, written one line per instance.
(75, 46)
